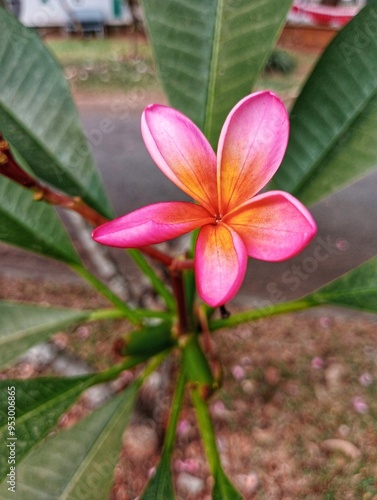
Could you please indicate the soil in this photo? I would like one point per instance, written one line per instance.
(295, 417)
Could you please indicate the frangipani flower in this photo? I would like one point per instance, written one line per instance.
(234, 220)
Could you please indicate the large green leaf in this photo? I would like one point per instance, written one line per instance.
(334, 120)
(32, 225)
(356, 289)
(77, 463)
(38, 405)
(38, 117)
(209, 53)
(23, 326)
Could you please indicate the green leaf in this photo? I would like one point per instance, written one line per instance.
(77, 463)
(356, 289)
(22, 326)
(223, 489)
(149, 340)
(38, 405)
(209, 53)
(334, 120)
(196, 365)
(39, 118)
(32, 225)
(161, 484)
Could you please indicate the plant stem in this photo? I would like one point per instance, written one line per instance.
(206, 431)
(182, 264)
(154, 364)
(159, 286)
(74, 203)
(285, 307)
(129, 313)
(180, 297)
(149, 313)
(114, 371)
(157, 255)
(10, 168)
(208, 343)
(176, 406)
(110, 313)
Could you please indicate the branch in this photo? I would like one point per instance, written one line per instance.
(11, 169)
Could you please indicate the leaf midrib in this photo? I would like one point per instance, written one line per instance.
(29, 331)
(342, 131)
(54, 159)
(63, 395)
(63, 257)
(209, 115)
(129, 396)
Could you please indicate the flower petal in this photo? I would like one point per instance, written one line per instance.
(274, 226)
(220, 264)
(152, 224)
(182, 152)
(251, 147)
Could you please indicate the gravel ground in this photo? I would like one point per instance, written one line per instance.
(295, 417)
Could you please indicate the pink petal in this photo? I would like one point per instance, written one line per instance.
(220, 264)
(251, 147)
(152, 224)
(274, 226)
(182, 152)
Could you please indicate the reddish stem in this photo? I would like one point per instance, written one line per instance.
(180, 297)
(155, 254)
(182, 264)
(72, 203)
(176, 267)
(11, 169)
(208, 345)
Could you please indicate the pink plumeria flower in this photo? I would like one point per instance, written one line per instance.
(234, 221)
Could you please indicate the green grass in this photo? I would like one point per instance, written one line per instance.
(125, 64)
(106, 65)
